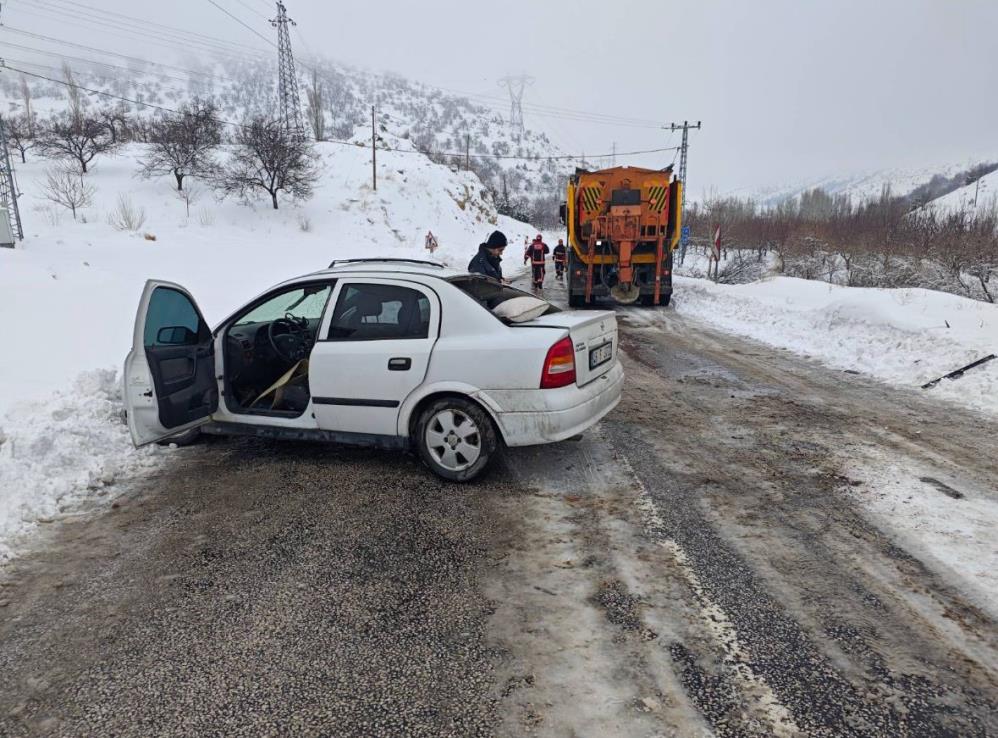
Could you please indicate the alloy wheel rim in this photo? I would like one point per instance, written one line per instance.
(454, 440)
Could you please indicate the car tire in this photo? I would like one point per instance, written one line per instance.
(456, 438)
(187, 438)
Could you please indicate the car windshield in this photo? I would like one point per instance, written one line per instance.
(490, 294)
(305, 302)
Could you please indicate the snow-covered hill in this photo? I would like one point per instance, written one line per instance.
(414, 115)
(869, 185)
(978, 196)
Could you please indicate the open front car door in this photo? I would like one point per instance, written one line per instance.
(169, 379)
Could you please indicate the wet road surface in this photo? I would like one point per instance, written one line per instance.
(696, 565)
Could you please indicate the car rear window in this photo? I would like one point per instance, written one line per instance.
(489, 294)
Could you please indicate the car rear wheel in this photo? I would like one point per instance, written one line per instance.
(456, 438)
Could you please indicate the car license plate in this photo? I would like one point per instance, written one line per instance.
(600, 355)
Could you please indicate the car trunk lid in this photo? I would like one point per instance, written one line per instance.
(594, 338)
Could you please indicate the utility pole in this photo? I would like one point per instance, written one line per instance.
(613, 156)
(683, 148)
(467, 152)
(374, 152)
(287, 79)
(516, 85)
(8, 191)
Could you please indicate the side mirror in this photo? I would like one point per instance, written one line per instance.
(563, 213)
(176, 335)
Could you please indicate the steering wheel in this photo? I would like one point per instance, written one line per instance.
(287, 338)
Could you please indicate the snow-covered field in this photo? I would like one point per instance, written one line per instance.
(71, 289)
(903, 337)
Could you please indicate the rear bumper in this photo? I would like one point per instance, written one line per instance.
(533, 417)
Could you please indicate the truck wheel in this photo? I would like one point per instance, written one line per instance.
(456, 439)
(649, 300)
(576, 301)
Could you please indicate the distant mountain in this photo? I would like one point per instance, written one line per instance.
(923, 185)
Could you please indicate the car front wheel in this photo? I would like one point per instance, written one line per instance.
(456, 438)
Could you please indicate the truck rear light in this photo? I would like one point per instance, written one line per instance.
(559, 365)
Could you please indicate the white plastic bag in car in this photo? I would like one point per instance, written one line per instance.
(521, 309)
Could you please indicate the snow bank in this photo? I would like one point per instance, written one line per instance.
(904, 337)
(953, 536)
(71, 289)
(60, 452)
(70, 292)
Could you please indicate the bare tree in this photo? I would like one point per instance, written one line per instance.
(19, 134)
(28, 112)
(268, 157)
(73, 90)
(184, 142)
(189, 196)
(77, 139)
(117, 121)
(315, 112)
(66, 187)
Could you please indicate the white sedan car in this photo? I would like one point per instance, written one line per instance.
(392, 353)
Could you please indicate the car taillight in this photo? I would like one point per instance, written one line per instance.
(559, 365)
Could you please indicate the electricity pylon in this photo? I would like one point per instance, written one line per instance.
(516, 85)
(287, 85)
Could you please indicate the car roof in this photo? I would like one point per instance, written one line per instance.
(374, 267)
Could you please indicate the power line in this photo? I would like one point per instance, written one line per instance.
(252, 10)
(156, 38)
(235, 50)
(243, 23)
(129, 28)
(164, 108)
(75, 45)
(84, 60)
(73, 6)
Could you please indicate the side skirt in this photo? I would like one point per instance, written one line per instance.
(367, 440)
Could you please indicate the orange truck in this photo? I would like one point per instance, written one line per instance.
(623, 225)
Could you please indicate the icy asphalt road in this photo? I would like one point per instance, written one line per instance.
(698, 565)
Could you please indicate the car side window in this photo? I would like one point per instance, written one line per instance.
(172, 320)
(379, 312)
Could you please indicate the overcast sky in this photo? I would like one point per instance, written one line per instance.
(787, 90)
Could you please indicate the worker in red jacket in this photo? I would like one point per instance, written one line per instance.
(560, 255)
(536, 254)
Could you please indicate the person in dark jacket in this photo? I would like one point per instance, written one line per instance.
(536, 254)
(488, 260)
(560, 255)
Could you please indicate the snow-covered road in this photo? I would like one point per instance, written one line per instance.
(719, 557)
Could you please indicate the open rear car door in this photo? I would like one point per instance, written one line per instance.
(169, 379)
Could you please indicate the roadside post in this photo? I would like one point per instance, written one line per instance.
(715, 253)
(684, 239)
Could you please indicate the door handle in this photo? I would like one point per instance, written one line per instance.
(400, 364)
